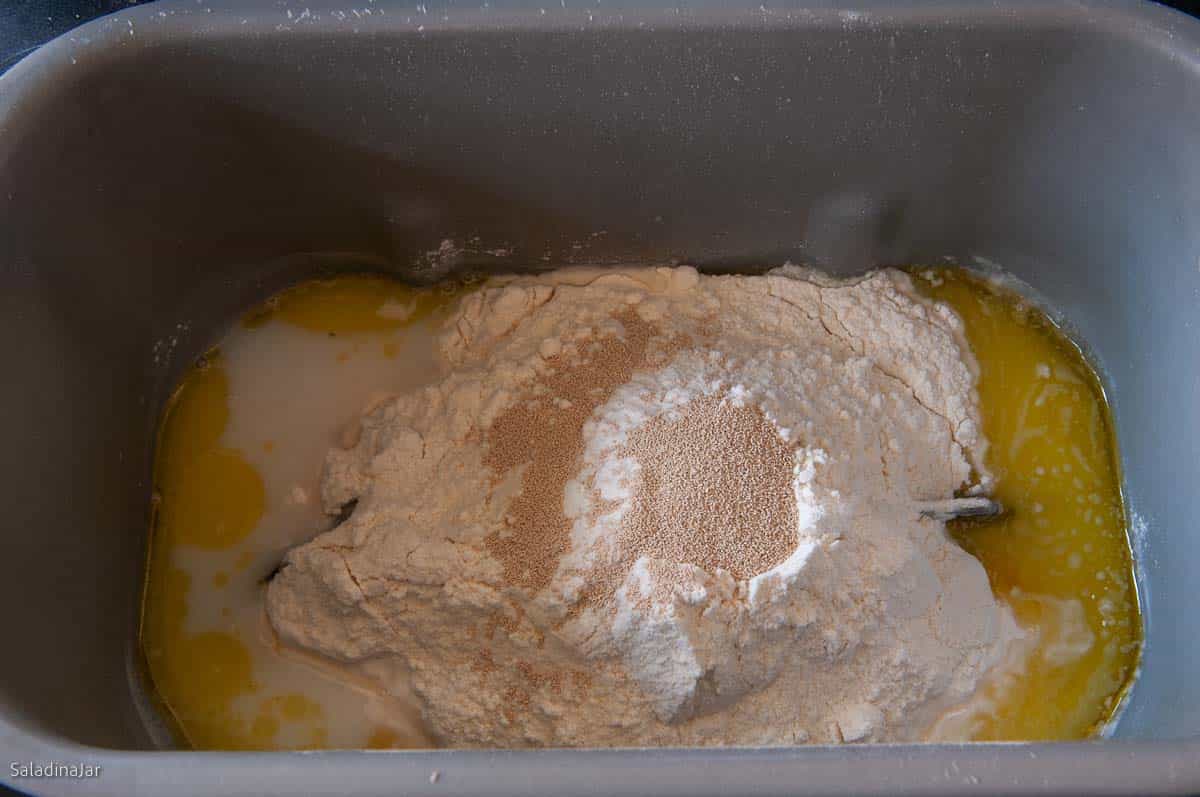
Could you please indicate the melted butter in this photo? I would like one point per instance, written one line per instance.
(210, 498)
(382, 739)
(237, 485)
(1062, 541)
(195, 468)
(346, 306)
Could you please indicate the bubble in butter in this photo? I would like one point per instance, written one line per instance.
(237, 483)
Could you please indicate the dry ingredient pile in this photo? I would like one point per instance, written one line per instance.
(647, 507)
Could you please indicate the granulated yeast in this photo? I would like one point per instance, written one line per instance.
(545, 434)
(715, 492)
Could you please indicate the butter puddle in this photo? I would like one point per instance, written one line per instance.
(1060, 555)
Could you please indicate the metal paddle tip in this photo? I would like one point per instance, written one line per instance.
(959, 508)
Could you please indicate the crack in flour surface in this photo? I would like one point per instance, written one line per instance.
(648, 507)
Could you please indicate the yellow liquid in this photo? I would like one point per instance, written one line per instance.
(208, 497)
(1063, 535)
(223, 517)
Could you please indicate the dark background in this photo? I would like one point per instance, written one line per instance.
(27, 24)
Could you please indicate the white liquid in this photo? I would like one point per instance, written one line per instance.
(293, 393)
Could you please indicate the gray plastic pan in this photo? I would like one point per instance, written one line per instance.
(163, 168)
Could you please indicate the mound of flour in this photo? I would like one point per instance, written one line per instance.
(647, 507)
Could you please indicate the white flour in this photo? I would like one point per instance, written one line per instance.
(504, 556)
